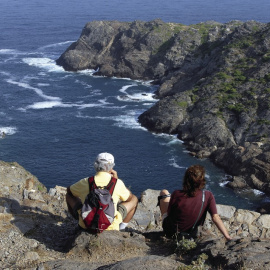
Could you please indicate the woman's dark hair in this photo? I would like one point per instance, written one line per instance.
(194, 180)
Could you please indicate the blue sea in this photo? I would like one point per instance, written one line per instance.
(56, 122)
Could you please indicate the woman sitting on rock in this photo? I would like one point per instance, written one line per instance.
(184, 210)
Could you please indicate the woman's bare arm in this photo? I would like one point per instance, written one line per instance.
(217, 220)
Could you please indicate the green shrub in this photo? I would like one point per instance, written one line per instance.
(194, 98)
(223, 75)
(198, 264)
(195, 89)
(243, 43)
(184, 246)
(220, 114)
(203, 30)
(237, 108)
(267, 77)
(238, 75)
(266, 57)
(41, 188)
(182, 104)
(263, 122)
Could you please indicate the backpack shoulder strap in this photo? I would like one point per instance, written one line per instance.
(111, 185)
(92, 184)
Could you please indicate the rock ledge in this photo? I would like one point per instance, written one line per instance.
(37, 232)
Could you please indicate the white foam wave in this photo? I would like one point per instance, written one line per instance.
(89, 72)
(43, 84)
(171, 139)
(173, 163)
(7, 131)
(8, 51)
(36, 90)
(47, 105)
(45, 63)
(95, 92)
(58, 103)
(128, 120)
(148, 83)
(84, 84)
(89, 105)
(258, 192)
(124, 88)
(223, 183)
(80, 115)
(119, 78)
(138, 97)
(175, 140)
(14, 53)
(5, 73)
(101, 103)
(55, 45)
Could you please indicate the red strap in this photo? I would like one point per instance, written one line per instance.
(110, 186)
(92, 184)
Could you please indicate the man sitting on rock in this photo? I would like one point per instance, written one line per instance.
(124, 201)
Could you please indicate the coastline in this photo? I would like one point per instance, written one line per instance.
(213, 85)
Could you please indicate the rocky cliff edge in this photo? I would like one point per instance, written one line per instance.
(36, 232)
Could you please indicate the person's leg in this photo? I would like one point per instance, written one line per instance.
(131, 207)
(164, 200)
(73, 204)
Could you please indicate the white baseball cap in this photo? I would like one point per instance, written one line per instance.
(105, 157)
(104, 162)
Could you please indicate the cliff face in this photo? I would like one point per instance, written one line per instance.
(214, 85)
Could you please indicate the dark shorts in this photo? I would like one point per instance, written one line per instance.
(170, 230)
(122, 210)
(168, 227)
(75, 210)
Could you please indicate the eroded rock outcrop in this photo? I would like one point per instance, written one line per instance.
(36, 232)
(214, 84)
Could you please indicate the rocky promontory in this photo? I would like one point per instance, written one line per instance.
(214, 85)
(37, 233)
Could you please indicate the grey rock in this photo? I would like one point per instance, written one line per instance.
(151, 262)
(226, 211)
(52, 191)
(69, 265)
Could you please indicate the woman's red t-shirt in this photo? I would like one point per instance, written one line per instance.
(183, 210)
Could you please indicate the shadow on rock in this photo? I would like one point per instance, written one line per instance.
(54, 231)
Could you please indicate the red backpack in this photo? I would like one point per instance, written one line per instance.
(98, 209)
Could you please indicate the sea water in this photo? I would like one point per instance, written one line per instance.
(54, 122)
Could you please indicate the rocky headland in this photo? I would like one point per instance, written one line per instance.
(37, 233)
(214, 85)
